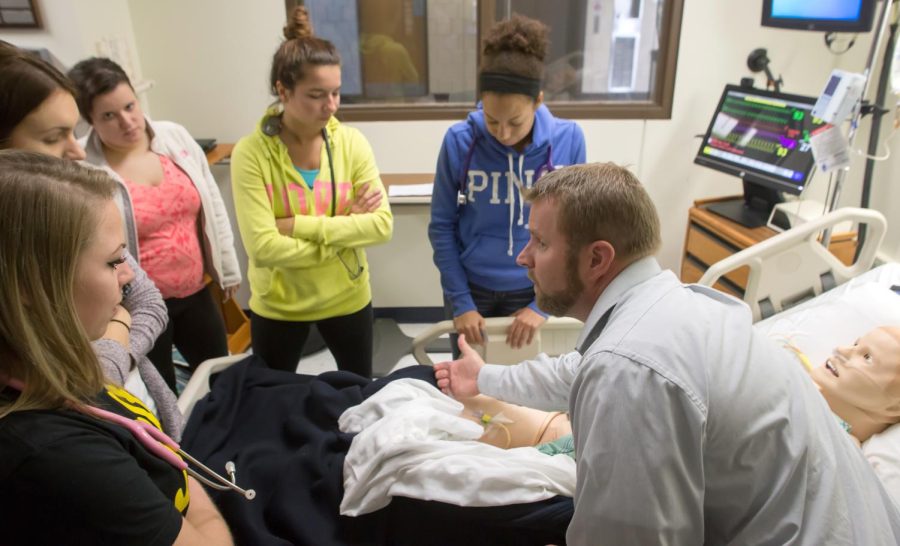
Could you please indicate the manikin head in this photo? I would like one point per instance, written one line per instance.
(861, 382)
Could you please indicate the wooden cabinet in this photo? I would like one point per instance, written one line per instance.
(711, 238)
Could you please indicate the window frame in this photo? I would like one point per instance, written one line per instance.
(659, 106)
(31, 9)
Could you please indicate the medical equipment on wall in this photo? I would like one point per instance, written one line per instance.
(841, 94)
(843, 16)
(842, 97)
(160, 444)
(763, 138)
(758, 61)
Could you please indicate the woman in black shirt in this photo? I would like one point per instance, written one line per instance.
(67, 477)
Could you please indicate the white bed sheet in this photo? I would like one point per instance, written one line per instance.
(838, 317)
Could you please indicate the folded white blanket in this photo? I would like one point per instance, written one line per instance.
(413, 442)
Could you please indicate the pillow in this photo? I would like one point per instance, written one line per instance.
(883, 453)
(835, 318)
(839, 317)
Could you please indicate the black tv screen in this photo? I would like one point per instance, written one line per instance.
(820, 15)
(761, 137)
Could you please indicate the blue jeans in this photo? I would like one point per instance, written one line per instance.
(490, 303)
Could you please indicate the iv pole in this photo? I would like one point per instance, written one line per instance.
(883, 21)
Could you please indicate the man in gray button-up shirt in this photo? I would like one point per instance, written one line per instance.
(689, 428)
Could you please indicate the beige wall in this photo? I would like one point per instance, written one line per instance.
(210, 59)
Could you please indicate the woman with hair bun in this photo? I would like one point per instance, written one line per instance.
(308, 198)
(479, 219)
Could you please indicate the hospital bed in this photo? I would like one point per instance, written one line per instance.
(788, 289)
(555, 337)
(804, 298)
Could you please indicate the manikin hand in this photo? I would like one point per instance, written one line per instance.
(522, 330)
(470, 324)
(459, 378)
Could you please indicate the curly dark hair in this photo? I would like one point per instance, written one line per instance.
(517, 46)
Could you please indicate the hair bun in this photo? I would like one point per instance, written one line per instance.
(298, 24)
(519, 34)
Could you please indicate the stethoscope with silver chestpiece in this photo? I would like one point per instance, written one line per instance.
(161, 445)
(272, 127)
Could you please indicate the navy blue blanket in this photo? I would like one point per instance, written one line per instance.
(281, 431)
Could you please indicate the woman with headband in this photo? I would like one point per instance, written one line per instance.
(479, 219)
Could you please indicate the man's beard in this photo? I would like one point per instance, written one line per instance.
(559, 303)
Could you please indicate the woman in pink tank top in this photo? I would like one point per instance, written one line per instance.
(174, 216)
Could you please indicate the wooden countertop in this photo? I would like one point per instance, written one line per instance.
(220, 152)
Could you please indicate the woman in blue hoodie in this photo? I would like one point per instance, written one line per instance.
(479, 219)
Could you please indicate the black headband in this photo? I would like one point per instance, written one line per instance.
(509, 83)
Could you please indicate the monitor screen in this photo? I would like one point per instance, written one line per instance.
(821, 15)
(761, 137)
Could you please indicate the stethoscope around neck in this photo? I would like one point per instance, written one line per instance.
(272, 127)
(160, 444)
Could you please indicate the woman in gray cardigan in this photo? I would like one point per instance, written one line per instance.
(39, 114)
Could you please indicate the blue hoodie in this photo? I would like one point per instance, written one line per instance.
(479, 221)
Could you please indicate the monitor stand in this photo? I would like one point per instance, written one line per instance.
(752, 210)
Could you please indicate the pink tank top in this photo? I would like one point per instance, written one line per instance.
(167, 219)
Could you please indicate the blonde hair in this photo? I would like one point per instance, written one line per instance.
(49, 213)
(602, 201)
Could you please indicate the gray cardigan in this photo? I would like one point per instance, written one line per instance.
(149, 317)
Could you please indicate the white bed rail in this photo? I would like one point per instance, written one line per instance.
(794, 266)
(198, 385)
(555, 337)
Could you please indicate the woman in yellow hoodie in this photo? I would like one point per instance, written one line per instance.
(308, 198)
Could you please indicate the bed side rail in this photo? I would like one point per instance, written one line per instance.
(198, 385)
(793, 266)
(557, 336)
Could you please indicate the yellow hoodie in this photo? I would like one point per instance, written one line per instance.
(315, 273)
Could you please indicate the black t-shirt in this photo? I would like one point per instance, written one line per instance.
(68, 478)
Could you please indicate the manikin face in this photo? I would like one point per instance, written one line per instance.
(49, 128)
(98, 283)
(866, 375)
(552, 267)
(316, 98)
(509, 117)
(118, 118)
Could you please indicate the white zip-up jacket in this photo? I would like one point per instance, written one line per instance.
(174, 141)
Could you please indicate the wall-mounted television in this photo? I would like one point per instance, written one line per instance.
(820, 15)
(761, 137)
